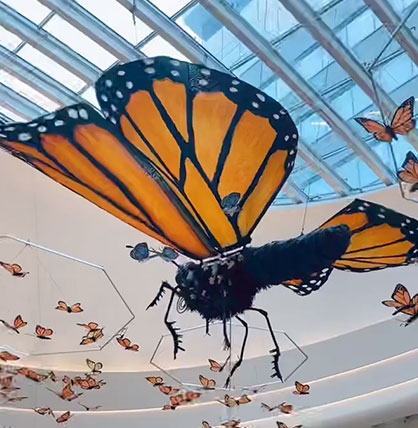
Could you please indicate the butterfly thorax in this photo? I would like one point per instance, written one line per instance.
(391, 132)
(217, 290)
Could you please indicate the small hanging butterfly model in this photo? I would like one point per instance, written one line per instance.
(18, 323)
(32, 374)
(14, 269)
(67, 394)
(94, 367)
(43, 333)
(51, 375)
(44, 411)
(155, 380)
(12, 399)
(88, 383)
(168, 390)
(403, 303)
(217, 367)
(301, 389)
(95, 333)
(402, 123)
(90, 409)
(207, 383)
(127, 344)
(76, 308)
(233, 423)
(287, 409)
(283, 425)
(64, 417)
(409, 173)
(7, 356)
(233, 402)
(6, 384)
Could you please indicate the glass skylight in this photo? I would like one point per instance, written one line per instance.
(352, 22)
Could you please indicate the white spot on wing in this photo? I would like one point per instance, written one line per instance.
(261, 97)
(149, 70)
(83, 114)
(175, 73)
(119, 94)
(73, 113)
(24, 136)
(121, 73)
(108, 83)
(129, 85)
(104, 98)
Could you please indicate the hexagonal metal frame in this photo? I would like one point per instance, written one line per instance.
(92, 265)
(257, 386)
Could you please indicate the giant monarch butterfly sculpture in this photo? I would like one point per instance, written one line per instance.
(194, 157)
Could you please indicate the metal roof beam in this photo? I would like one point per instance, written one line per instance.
(48, 44)
(391, 20)
(36, 78)
(311, 21)
(20, 104)
(294, 193)
(95, 29)
(259, 45)
(172, 33)
(323, 170)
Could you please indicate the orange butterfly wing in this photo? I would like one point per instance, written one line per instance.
(380, 238)
(376, 128)
(19, 323)
(301, 388)
(64, 417)
(76, 308)
(402, 121)
(7, 356)
(170, 155)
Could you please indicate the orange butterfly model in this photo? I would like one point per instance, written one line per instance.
(88, 383)
(14, 269)
(217, 367)
(233, 423)
(67, 393)
(283, 425)
(127, 344)
(301, 389)
(402, 302)
(168, 390)
(7, 356)
(409, 174)
(44, 411)
(6, 384)
(92, 337)
(233, 402)
(17, 324)
(32, 374)
(51, 375)
(207, 383)
(43, 333)
(76, 308)
(91, 326)
(155, 380)
(95, 367)
(12, 399)
(90, 409)
(401, 124)
(169, 155)
(64, 417)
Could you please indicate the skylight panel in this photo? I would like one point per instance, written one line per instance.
(27, 91)
(90, 95)
(31, 9)
(118, 18)
(169, 7)
(158, 46)
(79, 42)
(8, 39)
(13, 116)
(55, 70)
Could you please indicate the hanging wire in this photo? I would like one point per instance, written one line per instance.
(305, 212)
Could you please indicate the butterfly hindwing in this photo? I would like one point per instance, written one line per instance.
(403, 121)
(380, 238)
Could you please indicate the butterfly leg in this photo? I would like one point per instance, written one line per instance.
(227, 342)
(170, 324)
(276, 350)
(241, 355)
(164, 286)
